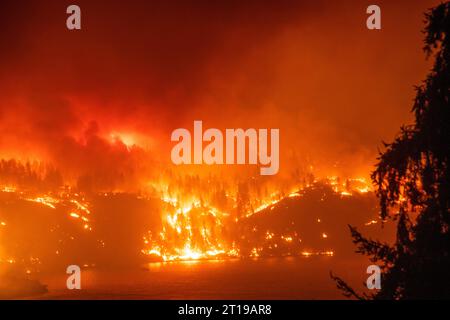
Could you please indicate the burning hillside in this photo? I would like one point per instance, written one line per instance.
(188, 218)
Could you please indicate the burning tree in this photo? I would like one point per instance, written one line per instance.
(412, 179)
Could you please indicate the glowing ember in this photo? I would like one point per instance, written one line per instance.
(371, 222)
(74, 215)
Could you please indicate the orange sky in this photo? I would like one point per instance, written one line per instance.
(145, 68)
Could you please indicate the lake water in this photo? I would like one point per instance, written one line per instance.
(273, 278)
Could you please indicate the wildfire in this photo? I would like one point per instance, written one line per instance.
(46, 201)
(188, 232)
(75, 205)
(320, 253)
(192, 228)
(8, 189)
(194, 225)
(349, 186)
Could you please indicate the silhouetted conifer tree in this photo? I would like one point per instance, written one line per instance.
(412, 180)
